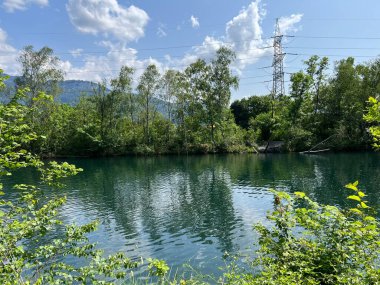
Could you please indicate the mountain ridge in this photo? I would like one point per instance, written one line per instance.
(72, 90)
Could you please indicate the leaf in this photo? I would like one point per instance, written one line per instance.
(355, 210)
(354, 197)
(363, 205)
(351, 186)
(361, 194)
(372, 100)
(369, 218)
(370, 227)
(300, 194)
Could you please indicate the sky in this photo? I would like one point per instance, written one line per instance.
(95, 38)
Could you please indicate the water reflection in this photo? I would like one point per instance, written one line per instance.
(197, 207)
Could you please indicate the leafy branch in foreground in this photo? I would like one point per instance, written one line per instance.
(311, 243)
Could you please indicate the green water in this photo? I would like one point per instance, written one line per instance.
(192, 209)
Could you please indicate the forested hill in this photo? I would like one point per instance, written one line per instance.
(73, 89)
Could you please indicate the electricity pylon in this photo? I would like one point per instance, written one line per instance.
(278, 88)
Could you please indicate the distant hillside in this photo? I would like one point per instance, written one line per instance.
(71, 91)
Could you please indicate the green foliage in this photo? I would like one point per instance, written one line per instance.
(373, 116)
(318, 107)
(158, 267)
(248, 108)
(311, 243)
(38, 72)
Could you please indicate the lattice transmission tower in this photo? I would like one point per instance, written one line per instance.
(278, 88)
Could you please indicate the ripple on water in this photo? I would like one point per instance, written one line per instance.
(192, 209)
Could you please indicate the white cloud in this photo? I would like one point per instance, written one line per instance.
(287, 24)
(244, 35)
(107, 17)
(8, 55)
(194, 22)
(12, 5)
(98, 67)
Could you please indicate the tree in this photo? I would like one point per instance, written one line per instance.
(221, 81)
(182, 108)
(247, 108)
(299, 93)
(170, 86)
(123, 87)
(147, 91)
(39, 72)
(197, 87)
(346, 103)
(316, 71)
(209, 87)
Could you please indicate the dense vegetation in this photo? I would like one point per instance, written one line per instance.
(122, 118)
(319, 105)
(188, 111)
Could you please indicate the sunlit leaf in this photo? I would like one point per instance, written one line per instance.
(354, 197)
(300, 194)
(351, 186)
(355, 210)
(363, 205)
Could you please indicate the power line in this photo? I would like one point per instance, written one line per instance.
(332, 37)
(223, 43)
(338, 55)
(164, 47)
(338, 48)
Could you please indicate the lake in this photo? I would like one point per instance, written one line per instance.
(193, 209)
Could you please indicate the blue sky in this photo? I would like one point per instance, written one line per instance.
(94, 38)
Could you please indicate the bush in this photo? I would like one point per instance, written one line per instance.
(311, 243)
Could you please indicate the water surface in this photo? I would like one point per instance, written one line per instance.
(193, 209)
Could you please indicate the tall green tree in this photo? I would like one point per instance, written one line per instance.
(316, 68)
(170, 86)
(122, 86)
(218, 99)
(39, 72)
(197, 88)
(346, 104)
(147, 90)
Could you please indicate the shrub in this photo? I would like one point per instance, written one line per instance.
(311, 243)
